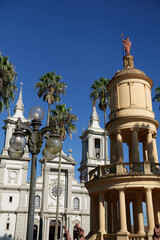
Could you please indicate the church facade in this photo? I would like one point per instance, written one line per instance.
(74, 203)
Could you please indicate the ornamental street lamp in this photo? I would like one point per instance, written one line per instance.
(35, 141)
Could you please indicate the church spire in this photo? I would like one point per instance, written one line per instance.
(19, 104)
(19, 107)
(94, 119)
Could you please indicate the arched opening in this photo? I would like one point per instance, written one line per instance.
(35, 231)
(52, 230)
(76, 204)
(131, 217)
(37, 201)
(145, 216)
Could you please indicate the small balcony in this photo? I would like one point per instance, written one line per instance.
(136, 168)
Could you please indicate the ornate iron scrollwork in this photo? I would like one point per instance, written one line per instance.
(108, 170)
(155, 169)
(137, 168)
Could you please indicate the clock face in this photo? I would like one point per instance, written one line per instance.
(13, 174)
(97, 155)
(54, 191)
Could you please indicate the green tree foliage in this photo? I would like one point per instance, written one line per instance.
(157, 96)
(100, 93)
(7, 82)
(50, 89)
(64, 119)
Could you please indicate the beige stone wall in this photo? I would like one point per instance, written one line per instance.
(130, 97)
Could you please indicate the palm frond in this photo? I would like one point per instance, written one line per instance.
(8, 87)
(64, 119)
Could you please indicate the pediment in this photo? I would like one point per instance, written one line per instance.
(64, 159)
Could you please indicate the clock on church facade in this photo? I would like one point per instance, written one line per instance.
(54, 191)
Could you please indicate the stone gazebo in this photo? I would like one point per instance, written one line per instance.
(123, 192)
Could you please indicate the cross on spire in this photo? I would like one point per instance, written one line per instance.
(21, 84)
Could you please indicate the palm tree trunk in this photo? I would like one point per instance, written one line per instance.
(58, 191)
(48, 114)
(41, 232)
(105, 139)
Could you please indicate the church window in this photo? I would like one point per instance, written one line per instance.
(7, 226)
(86, 148)
(10, 199)
(76, 203)
(97, 147)
(97, 143)
(37, 201)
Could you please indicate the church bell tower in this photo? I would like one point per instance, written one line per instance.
(13, 181)
(93, 144)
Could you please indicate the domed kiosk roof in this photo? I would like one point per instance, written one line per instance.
(129, 71)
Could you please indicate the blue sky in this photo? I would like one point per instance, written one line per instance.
(79, 40)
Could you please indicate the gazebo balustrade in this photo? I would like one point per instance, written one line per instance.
(125, 169)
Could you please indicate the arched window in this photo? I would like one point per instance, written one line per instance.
(35, 230)
(37, 201)
(76, 203)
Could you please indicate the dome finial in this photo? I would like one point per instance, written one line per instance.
(127, 59)
(127, 45)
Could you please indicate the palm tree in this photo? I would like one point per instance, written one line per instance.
(65, 122)
(157, 96)
(100, 93)
(7, 82)
(50, 88)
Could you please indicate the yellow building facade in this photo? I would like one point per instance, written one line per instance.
(128, 188)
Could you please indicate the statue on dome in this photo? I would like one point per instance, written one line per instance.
(127, 45)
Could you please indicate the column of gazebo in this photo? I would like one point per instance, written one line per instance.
(101, 216)
(151, 146)
(116, 147)
(138, 218)
(150, 210)
(97, 218)
(145, 151)
(135, 145)
(109, 216)
(130, 151)
(115, 216)
(119, 147)
(122, 212)
(156, 206)
(155, 154)
(124, 216)
(112, 149)
(139, 213)
(128, 212)
(135, 222)
(125, 219)
(94, 212)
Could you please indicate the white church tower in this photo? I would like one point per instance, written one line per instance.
(93, 145)
(13, 180)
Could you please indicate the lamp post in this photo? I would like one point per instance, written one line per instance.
(35, 141)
